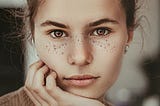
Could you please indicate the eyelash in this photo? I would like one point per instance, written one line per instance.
(93, 32)
(57, 30)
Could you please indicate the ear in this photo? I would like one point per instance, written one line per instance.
(130, 36)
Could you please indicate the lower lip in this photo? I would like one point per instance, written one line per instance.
(81, 83)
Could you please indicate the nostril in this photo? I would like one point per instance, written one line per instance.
(89, 59)
(79, 60)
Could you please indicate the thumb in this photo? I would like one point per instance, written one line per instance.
(52, 87)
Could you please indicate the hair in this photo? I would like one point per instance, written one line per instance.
(130, 7)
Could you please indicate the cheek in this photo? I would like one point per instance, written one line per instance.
(51, 53)
(56, 48)
(106, 45)
(108, 54)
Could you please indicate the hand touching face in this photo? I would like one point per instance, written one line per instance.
(42, 89)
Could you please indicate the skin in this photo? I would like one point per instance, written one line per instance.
(82, 49)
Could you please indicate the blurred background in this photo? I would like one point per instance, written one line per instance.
(139, 80)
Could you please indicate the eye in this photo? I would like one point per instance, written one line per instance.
(101, 32)
(57, 33)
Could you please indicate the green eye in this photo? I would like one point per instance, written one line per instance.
(101, 32)
(57, 33)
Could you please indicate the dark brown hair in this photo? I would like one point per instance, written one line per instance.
(130, 7)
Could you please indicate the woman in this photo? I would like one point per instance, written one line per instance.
(80, 44)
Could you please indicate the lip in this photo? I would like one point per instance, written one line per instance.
(81, 80)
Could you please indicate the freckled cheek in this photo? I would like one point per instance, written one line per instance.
(56, 48)
(53, 53)
(101, 45)
(107, 45)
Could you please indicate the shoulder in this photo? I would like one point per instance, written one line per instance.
(16, 98)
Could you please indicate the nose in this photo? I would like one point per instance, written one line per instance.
(80, 53)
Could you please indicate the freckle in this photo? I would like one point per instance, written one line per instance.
(95, 41)
(49, 50)
(59, 47)
(54, 46)
(108, 44)
(62, 53)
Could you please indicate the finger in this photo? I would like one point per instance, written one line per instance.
(33, 68)
(51, 86)
(38, 85)
(36, 65)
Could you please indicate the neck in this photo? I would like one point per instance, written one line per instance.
(103, 100)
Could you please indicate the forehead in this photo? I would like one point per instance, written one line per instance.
(79, 9)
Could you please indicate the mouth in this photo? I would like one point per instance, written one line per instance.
(81, 80)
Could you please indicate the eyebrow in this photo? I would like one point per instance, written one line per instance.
(53, 23)
(102, 21)
(92, 24)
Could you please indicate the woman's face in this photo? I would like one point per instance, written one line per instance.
(83, 41)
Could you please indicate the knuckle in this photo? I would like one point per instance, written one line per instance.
(27, 86)
(35, 65)
(35, 89)
(49, 89)
(32, 65)
(43, 70)
(38, 90)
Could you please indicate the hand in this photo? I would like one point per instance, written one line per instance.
(41, 87)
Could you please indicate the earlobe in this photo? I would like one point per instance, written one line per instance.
(130, 36)
(129, 40)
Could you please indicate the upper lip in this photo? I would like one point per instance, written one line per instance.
(81, 77)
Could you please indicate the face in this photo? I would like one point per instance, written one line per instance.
(83, 41)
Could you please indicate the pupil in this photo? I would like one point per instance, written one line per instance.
(101, 31)
(58, 33)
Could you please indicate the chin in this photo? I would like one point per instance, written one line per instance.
(92, 94)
